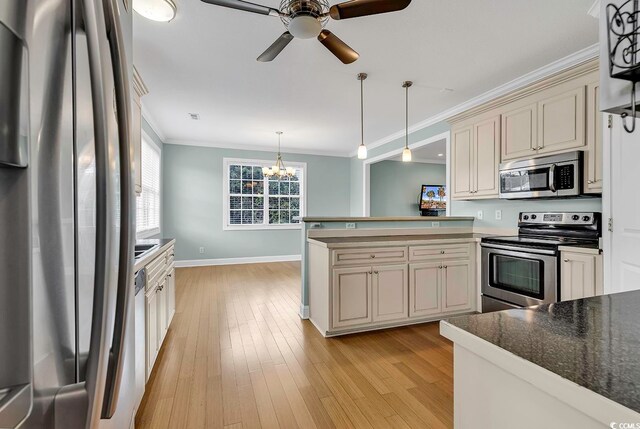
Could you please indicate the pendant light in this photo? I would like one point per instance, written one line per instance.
(278, 170)
(406, 153)
(362, 149)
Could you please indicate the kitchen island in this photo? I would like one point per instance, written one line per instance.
(568, 364)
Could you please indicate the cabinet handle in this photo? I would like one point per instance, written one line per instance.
(373, 256)
(442, 252)
(370, 272)
(445, 267)
(590, 182)
(375, 272)
(169, 275)
(534, 149)
(440, 267)
(567, 260)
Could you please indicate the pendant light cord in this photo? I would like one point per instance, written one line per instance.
(362, 112)
(406, 119)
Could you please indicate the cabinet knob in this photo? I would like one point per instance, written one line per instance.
(445, 267)
(442, 251)
(373, 256)
(567, 260)
(440, 267)
(375, 272)
(534, 149)
(370, 272)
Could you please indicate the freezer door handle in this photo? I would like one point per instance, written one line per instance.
(127, 205)
(15, 403)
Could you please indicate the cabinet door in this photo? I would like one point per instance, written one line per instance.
(519, 132)
(425, 289)
(578, 273)
(390, 293)
(462, 162)
(561, 121)
(171, 296)
(162, 311)
(151, 328)
(136, 140)
(456, 286)
(351, 296)
(486, 157)
(593, 155)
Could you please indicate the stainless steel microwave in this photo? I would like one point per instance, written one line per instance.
(554, 176)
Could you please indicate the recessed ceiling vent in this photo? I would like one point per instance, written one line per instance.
(195, 116)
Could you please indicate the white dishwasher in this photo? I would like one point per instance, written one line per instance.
(140, 347)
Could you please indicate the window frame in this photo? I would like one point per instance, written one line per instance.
(146, 139)
(226, 226)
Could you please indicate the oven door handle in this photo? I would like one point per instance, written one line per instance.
(519, 249)
(552, 178)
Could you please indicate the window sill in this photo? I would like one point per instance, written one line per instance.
(148, 233)
(260, 227)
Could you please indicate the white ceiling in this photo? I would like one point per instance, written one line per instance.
(429, 153)
(204, 61)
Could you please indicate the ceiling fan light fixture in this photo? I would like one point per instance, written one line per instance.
(305, 27)
(156, 10)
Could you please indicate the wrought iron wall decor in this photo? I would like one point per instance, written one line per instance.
(623, 27)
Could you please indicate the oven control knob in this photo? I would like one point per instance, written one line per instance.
(586, 218)
(534, 217)
(575, 217)
(525, 217)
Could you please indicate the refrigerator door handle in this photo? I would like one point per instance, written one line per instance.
(127, 209)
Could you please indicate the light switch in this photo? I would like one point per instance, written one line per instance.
(480, 215)
(498, 214)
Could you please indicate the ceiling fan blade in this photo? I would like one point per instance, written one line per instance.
(357, 8)
(245, 6)
(274, 50)
(338, 47)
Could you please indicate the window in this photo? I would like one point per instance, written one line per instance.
(148, 203)
(252, 201)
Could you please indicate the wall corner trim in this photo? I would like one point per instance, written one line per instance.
(236, 261)
(304, 311)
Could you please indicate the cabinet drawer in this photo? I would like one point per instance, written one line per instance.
(170, 257)
(368, 256)
(156, 269)
(439, 252)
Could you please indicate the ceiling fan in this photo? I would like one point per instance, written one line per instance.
(305, 19)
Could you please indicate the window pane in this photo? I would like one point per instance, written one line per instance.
(284, 188)
(234, 203)
(234, 186)
(235, 217)
(247, 217)
(247, 187)
(284, 216)
(247, 172)
(258, 187)
(296, 176)
(258, 202)
(234, 172)
(274, 216)
(273, 202)
(295, 203)
(273, 188)
(258, 216)
(257, 173)
(284, 202)
(247, 203)
(294, 213)
(295, 188)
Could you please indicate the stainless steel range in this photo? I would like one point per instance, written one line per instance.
(523, 270)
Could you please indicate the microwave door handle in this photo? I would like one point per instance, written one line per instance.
(127, 201)
(552, 178)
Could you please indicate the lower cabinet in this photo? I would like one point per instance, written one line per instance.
(456, 286)
(390, 293)
(351, 296)
(151, 312)
(581, 276)
(171, 295)
(439, 287)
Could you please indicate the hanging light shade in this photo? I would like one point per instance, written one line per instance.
(406, 153)
(362, 149)
(278, 170)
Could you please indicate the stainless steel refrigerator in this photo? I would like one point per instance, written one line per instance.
(66, 214)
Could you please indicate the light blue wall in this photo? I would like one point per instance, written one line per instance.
(193, 202)
(511, 209)
(356, 187)
(414, 137)
(395, 186)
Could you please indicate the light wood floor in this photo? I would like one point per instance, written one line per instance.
(238, 356)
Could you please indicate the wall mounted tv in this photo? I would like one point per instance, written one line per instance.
(433, 198)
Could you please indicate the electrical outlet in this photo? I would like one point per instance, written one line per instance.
(350, 225)
(202, 250)
(480, 215)
(498, 214)
(315, 226)
(435, 224)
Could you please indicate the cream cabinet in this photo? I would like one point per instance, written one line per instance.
(349, 293)
(581, 275)
(561, 120)
(519, 132)
(151, 313)
(136, 127)
(593, 156)
(475, 159)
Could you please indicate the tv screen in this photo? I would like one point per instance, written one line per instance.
(433, 197)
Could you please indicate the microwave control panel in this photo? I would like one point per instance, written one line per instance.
(565, 177)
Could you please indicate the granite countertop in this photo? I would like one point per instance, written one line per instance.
(593, 342)
(387, 240)
(389, 219)
(163, 244)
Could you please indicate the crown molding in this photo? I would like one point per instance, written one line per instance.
(580, 57)
(422, 161)
(594, 10)
(138, 84)
(233, 146)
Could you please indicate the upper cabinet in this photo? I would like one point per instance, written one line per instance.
(476, 155)
(555, 115)
(140, 90)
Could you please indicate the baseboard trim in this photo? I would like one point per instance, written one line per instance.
(304, 311)
(237, 261)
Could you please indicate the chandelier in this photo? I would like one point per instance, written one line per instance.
(278, 170)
